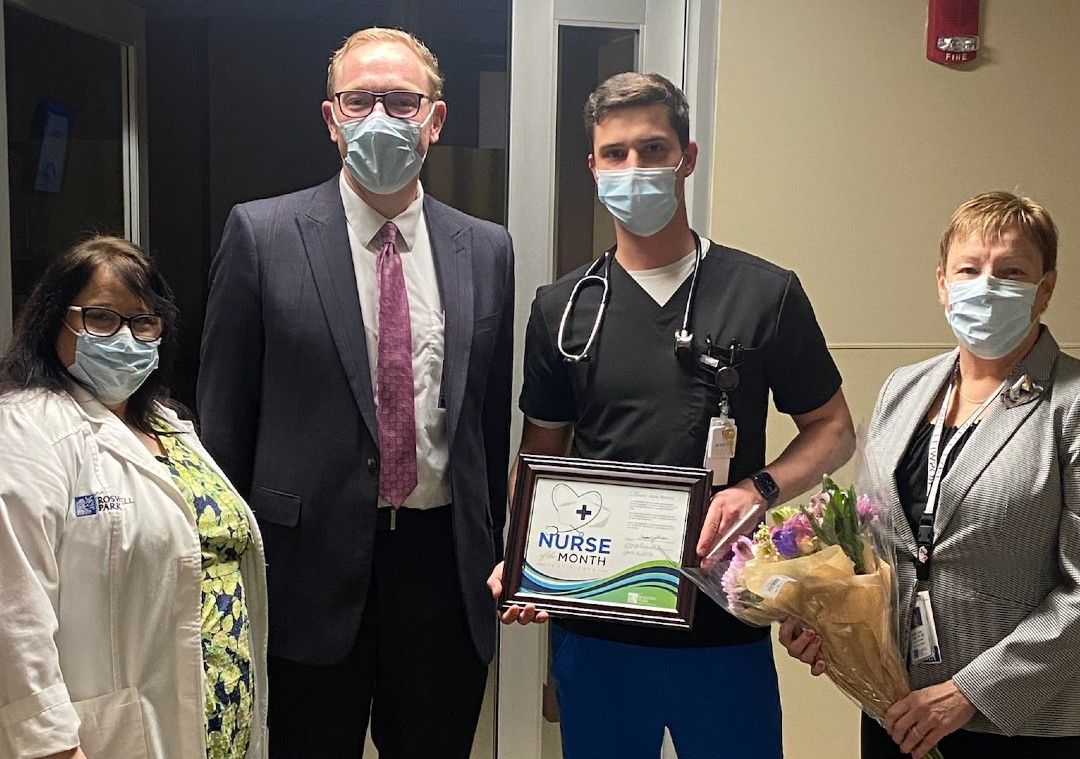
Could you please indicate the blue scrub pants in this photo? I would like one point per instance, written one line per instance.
(615, 699)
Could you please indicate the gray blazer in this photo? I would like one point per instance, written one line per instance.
(1005, 582)
(287, 410)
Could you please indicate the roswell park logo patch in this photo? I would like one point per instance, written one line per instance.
(94, 503)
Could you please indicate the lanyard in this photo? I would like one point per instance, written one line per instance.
(935, 471)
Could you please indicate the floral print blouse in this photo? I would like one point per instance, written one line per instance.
(224, 534)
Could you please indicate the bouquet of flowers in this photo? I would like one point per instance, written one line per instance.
(827, 564)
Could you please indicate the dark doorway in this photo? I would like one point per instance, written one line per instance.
(64, 139)
(234, 92)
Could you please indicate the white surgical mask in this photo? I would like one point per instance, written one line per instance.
(643, 200)
(381, 150)
(991, 316)
(113, 368)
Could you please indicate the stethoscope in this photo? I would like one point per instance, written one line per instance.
(684, 338)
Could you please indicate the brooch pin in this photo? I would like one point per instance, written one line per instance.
(1024, 390)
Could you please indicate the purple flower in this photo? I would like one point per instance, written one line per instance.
(786, 540)
(801, 525)
(865, 508)
(743, 551)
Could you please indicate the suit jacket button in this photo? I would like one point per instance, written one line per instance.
(373, 465)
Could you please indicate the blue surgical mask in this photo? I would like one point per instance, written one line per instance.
(642, 200)
(991, 316)
(381, 150)
(113, 368)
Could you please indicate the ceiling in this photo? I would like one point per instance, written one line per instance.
(466, 21)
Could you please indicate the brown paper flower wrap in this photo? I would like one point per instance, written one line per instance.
(852, 613)
(823, 564)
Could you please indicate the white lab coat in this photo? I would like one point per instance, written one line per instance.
(100, 597)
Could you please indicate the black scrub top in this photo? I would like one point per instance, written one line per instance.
(634, 401)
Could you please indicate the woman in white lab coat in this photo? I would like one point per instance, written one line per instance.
(132, 581)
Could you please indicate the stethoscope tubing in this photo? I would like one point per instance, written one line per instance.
(591, 277)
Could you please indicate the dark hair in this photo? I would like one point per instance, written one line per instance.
(31, 362)
(631, 89)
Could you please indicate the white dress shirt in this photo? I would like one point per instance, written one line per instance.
(427, 326)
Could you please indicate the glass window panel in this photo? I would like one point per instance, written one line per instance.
(587, 56)
(65, 141)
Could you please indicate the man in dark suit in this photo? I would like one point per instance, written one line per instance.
(355, 384)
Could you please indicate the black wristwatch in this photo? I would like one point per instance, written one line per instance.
(767, 486)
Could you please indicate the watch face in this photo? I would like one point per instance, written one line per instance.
(764, 482)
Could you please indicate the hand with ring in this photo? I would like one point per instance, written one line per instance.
(919, 720)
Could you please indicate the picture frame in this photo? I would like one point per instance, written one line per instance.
(605, 540)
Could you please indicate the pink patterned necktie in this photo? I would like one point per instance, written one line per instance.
(394, 376)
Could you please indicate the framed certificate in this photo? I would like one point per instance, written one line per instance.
(605, 540)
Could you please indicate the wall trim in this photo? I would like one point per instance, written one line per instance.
(912, 346)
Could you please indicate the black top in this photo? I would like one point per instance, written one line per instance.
(912, 470)
(634, 401)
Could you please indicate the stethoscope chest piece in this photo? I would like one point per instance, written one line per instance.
(684, 342)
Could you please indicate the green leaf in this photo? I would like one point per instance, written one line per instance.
(839, 524)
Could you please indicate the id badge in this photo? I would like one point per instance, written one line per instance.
(720, 447)
(924, 638)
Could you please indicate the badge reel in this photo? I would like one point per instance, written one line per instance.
(723, 433)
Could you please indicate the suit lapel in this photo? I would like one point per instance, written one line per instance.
(910, 414)
(326, 242)
(451, 247)
(995, 430)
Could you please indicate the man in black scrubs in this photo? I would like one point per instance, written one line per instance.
(713, 687)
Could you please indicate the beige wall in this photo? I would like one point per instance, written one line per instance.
(841, 152)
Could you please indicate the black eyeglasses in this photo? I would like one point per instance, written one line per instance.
(104, 322)
(401, 104)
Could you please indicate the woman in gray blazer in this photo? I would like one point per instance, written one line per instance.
(984, 446)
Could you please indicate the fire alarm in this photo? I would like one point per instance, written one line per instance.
(952, 31)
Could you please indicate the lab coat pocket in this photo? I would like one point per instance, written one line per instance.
(112, 725)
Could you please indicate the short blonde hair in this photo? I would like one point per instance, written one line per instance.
(379, 34)
(991, 214)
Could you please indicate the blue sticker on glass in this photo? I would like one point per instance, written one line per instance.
(86, 505)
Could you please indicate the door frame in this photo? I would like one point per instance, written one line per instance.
(124, 24)
(522, 654)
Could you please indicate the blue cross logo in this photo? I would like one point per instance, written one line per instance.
(583, 512)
